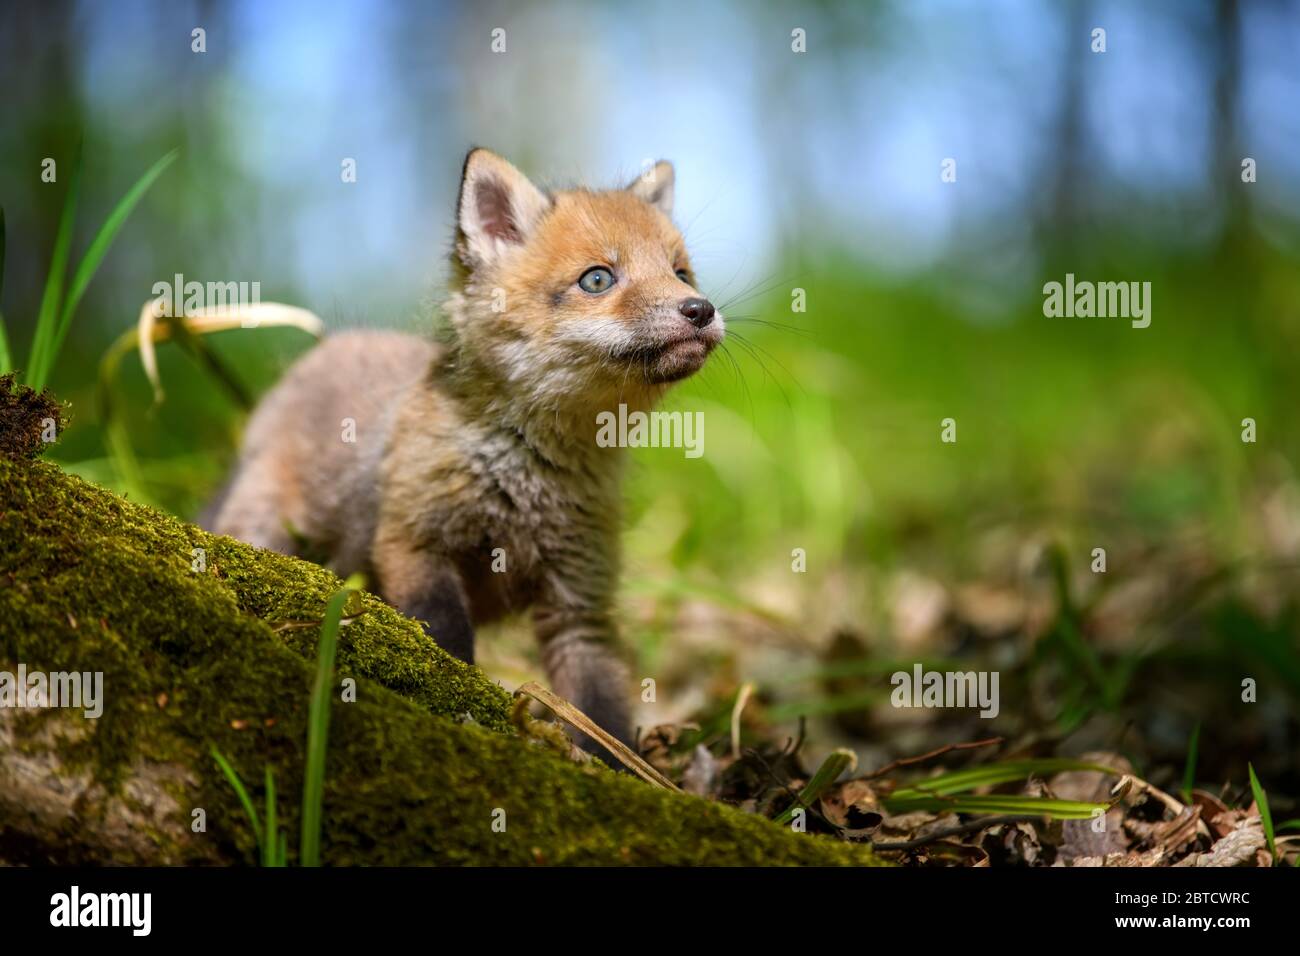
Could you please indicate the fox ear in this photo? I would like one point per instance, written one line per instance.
(498, 207)
(655, 186)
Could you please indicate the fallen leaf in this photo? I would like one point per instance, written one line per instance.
(1238, 848)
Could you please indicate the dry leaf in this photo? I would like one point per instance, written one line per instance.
(1238, 848)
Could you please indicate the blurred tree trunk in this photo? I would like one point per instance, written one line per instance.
(42, 116)
(1061, 219)
(1225, 56)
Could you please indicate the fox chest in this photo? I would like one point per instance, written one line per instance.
(515, 546)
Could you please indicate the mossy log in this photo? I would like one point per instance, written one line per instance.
(206, 642)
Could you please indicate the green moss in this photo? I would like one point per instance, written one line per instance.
(91, 582)
(63, 540)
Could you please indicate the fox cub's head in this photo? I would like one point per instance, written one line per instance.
(576, 296)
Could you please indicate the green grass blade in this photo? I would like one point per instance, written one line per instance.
(1261, 801)
(99, 247)
(47, 319)
(1288, 825)
(117, 441)
(240, 792)
(835, 764)
(999, 804)
(1189, 772)
(993, 774)
(271, 846)
(196, 346)
(318, 722)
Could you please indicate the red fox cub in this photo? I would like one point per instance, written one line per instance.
(463, 475)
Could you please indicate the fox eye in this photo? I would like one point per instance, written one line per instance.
(596, 280)
(684, 276)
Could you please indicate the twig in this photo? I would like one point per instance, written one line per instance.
(803, 733)
(741, 700)
(1177, 809)
(576, 718)
(947, 748)
(958, 830)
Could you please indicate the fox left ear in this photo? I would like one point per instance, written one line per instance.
(498, 207)
(655, 186)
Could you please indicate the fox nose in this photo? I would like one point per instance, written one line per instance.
(698, 312)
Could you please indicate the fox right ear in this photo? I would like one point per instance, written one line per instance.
(498, 207)
(655, 186)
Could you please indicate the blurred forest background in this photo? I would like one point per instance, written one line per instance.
(818, 171)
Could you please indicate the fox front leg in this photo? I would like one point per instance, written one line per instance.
(583, 665)
(421, 586)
